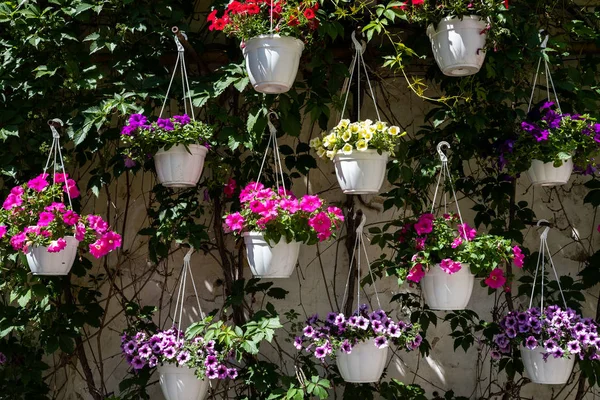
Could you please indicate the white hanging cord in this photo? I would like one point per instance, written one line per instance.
(542, 262)
(445, 172)
(185, 84)
(55, 151)
(549, 80)
(187, 268)
(358, 244)
(276, 155)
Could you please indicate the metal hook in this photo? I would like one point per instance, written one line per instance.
(443, 156)
(544, 235)
(358, 45)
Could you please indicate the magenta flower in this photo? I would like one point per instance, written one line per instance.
(449, 266)
(57, 245)
(38, 183)
(310, 203)
(496, 279)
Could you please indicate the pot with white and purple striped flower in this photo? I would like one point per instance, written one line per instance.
(359, 343)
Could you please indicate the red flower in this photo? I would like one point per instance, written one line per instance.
(309, 13)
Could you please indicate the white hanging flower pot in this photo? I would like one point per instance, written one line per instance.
(270, 261)
(272, 62)
(364, 364)
(42, 262)
(361, 172)
(553, 371)
(459, 45)
(546, 174)
(445, 291)
(180, 167)
(181, 383)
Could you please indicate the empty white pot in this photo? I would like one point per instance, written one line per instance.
(41, 262)
(270, 261)
(361, 172)
(364, 364)
(459, 45)
(546, 174)
(272, 62)
(180, 167)
(553, 371)
(444, 291)
(181, 383)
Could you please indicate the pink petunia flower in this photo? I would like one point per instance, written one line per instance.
(235, 222)
(449, 266)
(38, 183)
(310, 203)
(57, 245)
(416, 273)
(45, 219)
(496, 279)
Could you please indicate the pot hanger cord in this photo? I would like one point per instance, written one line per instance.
(276, 155)
(359, 243)
(549, 80)
(187, 269)
(542, 262)
(55, 151)
(445, 173)
(357, 61)
(185, 84)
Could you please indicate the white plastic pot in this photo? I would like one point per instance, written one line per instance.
(180, 167)
(553, 371)
(444, 291)
(41, 262)
(270, 261)
(361, 172)
(181, 383)
(364, 364)
(459, 45)
(546, 174)
(272, 62)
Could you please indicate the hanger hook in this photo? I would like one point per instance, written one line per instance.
(440, 145)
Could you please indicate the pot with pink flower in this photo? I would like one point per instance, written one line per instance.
(359, 343)
(275, 224)
(179, 145)
(444, 256)
(35, 222)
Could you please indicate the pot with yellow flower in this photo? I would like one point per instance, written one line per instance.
(360, 151)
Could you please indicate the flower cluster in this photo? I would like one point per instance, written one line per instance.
(427, 241)
(251, 18)
(143, 350)
(550, 136)
(338, 332)
(347, 137)
(557, 332)
(305, 220)
(142, 137)
(35, 214)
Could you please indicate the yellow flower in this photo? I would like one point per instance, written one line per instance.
(361, 145)
(316, 143)
(347, 149)
(331, 154)
(321, 152)
(346, 136)
(394, 130)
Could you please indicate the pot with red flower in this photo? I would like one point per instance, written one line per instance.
(459, 31)
(551, 144)
(179, 145)
(35, 222)
(270, 35)
(550, 342)
(359, 343)
(275, 224)
(444, 256)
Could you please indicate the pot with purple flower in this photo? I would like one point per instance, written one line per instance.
(275, 224)
(179, 145)
(359, 343)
